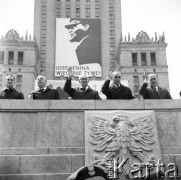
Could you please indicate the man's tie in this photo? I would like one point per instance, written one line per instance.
(41, 90)
(154, 89)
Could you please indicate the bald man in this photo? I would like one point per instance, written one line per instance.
(116, 90)
(151, 90)
(85, 92)
(43, 91)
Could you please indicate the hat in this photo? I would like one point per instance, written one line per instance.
(88, 172)
(72, 23)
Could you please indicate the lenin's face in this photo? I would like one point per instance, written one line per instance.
(77, 30)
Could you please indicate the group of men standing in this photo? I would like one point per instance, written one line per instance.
(114, 90)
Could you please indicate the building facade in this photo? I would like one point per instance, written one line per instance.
(47, 11)
(143, 54)
(131, 56)
(18, 56)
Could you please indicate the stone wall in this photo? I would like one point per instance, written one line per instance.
(46, 139)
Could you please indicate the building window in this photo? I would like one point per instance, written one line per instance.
(112, 49)
(20, 58)
(43, 39)
(97, 2)
(44, 15)
(111, 16)
(78, 10)
(44, 8)
(58, 2)
(87, 10)
(77, 2)
(153, 59)
(136, 79)
(112, 64)
(112, 56)
(19, 88)
(67, 2)
(111, 9)
(134, 59)
(111, 33)
(19, 78)
(111, 2)
(43, 31)
(1, 57)
(42, 72)
(43, 47)
(111, 25)
(111, 42)
(43, 55)
(44, 1)
(43, 23)
(136, 88)
(143, 59)
(87, 2)
(67, 12)
(11, 57)
(58, 10)
(97, 16)
(97, 10)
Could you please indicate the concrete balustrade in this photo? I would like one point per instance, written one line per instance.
(46, 139)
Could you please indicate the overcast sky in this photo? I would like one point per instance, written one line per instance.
(147, 15)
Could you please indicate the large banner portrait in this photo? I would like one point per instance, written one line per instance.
(78, 44)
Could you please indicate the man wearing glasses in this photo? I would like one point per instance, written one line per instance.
(116, 90)
(9, 92)
(85, 92)
(150, 89)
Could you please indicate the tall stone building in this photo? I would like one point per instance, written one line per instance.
(131, 56)
(141, 54)
(47, 11)
(18, 56)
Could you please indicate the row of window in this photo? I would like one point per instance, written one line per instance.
(143, 59)
(111, 27)
(78, 10)
(43, 26)
(11, 57)
(77, 2)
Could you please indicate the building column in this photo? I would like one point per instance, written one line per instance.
(15, 57)
(6, 56)
(139, 58)
(148, 58)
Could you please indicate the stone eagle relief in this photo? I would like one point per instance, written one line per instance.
(128, 136)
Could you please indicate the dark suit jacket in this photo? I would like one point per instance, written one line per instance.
(149, 93)
(78, 93)
(112, 92)
(89, 51)
(11, 94)
(47, 94)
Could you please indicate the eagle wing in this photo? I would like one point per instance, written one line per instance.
(101, 135)
(141, 134)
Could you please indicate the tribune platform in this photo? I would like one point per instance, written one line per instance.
(47, 140)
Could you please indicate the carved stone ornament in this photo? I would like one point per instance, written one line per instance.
(123, 135)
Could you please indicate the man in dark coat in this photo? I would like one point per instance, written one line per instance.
(9, 92)
(85, 92)
(43, 91)
(150, 89)
(116, 90)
